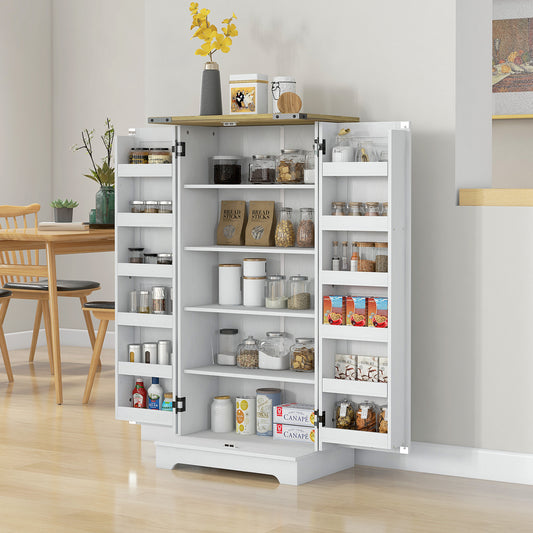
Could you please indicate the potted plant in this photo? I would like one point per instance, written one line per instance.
(103, 174)
(63, 209)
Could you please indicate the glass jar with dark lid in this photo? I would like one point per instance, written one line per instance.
(263, 169)
(150, 258)
(225, 169)
(136, 255)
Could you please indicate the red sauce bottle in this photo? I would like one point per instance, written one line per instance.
(139, 394)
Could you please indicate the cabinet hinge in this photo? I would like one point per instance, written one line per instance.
(320, 418)
(180, 405)
(179, 149)
(320, 145)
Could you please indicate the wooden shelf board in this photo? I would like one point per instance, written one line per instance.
(496, 197)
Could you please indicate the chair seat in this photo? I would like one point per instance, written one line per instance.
(100, 305)
(62, 285)
(4, 294)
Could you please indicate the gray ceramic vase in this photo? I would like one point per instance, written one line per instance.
(211, 98)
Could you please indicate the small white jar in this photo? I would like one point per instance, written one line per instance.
(253, 291)
(222, 415)
(229, 284)
(254, 267)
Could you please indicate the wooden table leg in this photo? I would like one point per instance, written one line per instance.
(54, 319)
(3, 346)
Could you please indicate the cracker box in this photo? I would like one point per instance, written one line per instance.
(346, 367)
(294, 414)
(335, 310)
(383, 370)
(356, 311)
(367, 368)
(294, 433)
(378, 312)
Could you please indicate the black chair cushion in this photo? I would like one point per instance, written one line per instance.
(4, 294)
(62, 285)
(100, 305)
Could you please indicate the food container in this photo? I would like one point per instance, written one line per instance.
(346, 367)
(305, 234)
(164, 352)
(245, 411)
(290, 168)
(137, 206)
(281, 85)
(159, 300)
(285, 236)
(274, 351)
(337, 208)
(165, 206)
(385, 209)
(355, 209)
(309, 167)
(335, 257)
(144, 302)
(159, 156)
(345, 414)
(133, 302)
(383, 370)
(248, 353)
(383, 422)
(138, 156)
(150, 353)
(164, 259)
(262, 169)
(266, 400)
(303, 355)
(295, 414)
(299, 294)
(275, 292)
(228, 342)
(151, 206)
(382, 257)
(222, 417)
(366, 417)
(334, 309)
(253, 291)
(367, 257)
(135, 353)
(248, 93)
(356, 311)
(254, 267)
(136, 255)
(372, 209)
(225, 169)
(342, 151)
(150, 258)
(378, 312)
(365, 152)
(367, 368)
(229, 284)
(294, 433)
(167, 402)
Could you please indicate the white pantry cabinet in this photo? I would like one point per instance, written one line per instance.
(184, 436)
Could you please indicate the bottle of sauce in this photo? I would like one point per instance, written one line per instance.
(167, 402)
(139, 394)
(155, 395)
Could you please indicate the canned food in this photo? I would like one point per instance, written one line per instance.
(245, 415)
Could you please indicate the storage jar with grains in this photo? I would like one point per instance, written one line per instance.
(159, 156)
(385, 209)
(164, 259)
(337, 208)
(305, 235)
(137, 206)
(248, 353)
(367, 257)
(274, 351)
(345, 414)
(136, 255)
(372, 209)
(159, 301)
(285, 236)
(290, 167)
(165, 206)
(299, 295)
(303, 355)
(275, 292)
(263, 169)
(228, 342)
(225, 169)
(151, 206)
(144, 302)
(382, 257)
(355, 209)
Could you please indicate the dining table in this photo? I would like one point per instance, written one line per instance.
(54, 243)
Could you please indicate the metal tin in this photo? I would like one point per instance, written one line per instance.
(159, 301)
(134, 353)
(150, 353)
(164, 352)
(266, 399)
(245, 415)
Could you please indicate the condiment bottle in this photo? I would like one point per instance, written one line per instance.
(167, 402)
(335, 259)
(155, 395)
(139, 394)
(345, 262)
(355, 258)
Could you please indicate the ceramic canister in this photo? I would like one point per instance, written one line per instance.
(266, 400)
(245, 415)
(254, 267)
(229, 284)
(253, 291)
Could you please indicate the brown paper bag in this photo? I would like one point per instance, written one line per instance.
(232, 222)
(261, 224)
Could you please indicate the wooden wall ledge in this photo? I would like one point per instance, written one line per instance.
(496, 197)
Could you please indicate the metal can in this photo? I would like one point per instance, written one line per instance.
(266, 399)
(135, 354)
(164, 351)
(159, 302)
(245, 415)
(150, 353)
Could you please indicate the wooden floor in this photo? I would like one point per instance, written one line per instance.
(74, 468)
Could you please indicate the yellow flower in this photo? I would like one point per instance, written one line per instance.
(193, 8)
(204, 50)
(231, 31)
(203, 13)
(233, 16)
(222, 43)
(206, 33)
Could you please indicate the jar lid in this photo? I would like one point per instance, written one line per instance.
(137, 202)
(275, 334)
(235, 265)
(365, 244)
(268, 391)
(151, 202)
(303, 340)
(372, 204)
(298, 277)
(254, 277)
(254, 259)
(229, 331)
(259, 156)
(286, 79)
(160, 149)
(167, 395)
(291, 151)
(381, 245)
(224, 157)
(135, 249)
(164, 255)
(165, 202)
(143, 292)
(339, 203)
(286, 209)
(345, 243)
(222, 397)
(150, 254)
(275, 277)
(386, 203)
(308, 209)
(354, 204)
(335, 243)
(249, 340)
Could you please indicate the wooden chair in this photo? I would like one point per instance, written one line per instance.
(103, 311)
(4, 301)
(31, 287)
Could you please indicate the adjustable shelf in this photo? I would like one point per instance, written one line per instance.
(256, 311)
(281, 376)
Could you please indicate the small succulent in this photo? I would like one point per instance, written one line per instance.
(58, 204)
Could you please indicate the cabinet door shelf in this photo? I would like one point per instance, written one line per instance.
(257, 311)
(146, 370)
(360, 279)
(350, 437)
(355, 388)
(143, 270)
(162, 170)
(144, 320)
(351, 333)
(349, 223)
(253, 186)
(282, 376)
(145, 416)
(355, 169)
(145, 220)
(250, 249)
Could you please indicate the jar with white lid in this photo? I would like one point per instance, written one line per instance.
(279, 86)
(137, 206)
(355, 209)
(151, 206)
(222, 415)
(165, 206)
(275, 297)
(228, 341)
(274, 351)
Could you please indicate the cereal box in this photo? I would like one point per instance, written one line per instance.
(346, 367)
(294, 414)
(367, 368)
(356, 311)
(294, 433)
(335, 310)
(378, 312)
(383, 371)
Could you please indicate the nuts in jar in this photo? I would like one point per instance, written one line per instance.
(291, 167)
(366, 418)
(345, 415)
(303, 355)
(248, 354)
(285, 236)
(383, 426)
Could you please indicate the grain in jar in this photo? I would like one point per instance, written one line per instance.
(165, 206)
(136, 255)
(151, 206)
(382, 257)
(337, 209)
(367, 257)
(262, 169)
(285, 236)
(137, 206)
(355, 209)
(248, 353)
(299, 295)
(305, 235)
(159, 156)
(275, 292)
(372, 209)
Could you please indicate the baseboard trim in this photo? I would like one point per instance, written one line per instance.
(21, 340)
(475, 463)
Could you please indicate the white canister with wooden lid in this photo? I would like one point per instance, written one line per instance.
(229, 284)
(253, 290)
(254, 267)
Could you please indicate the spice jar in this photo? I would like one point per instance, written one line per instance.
(228, 341)
(367, 257)
(151, 206)
(285, 230)
(226, 169)
(274, 351)
(372, 209)
(159, 302)
(144, 302)
(299, 295)
(159, 156)
(345, 414)
(275, 292)
(290, 167)
(138, 156)
(337, 208)
(136, 255)
(355, 209)
(263, 169)
(303, 354)
(309, 167)
(366, 417)
(385, 209)
(165, 206)
(305, 235)
(137, 206)
(150, 258)
(382, 257)
(248, 354)
(164, 259)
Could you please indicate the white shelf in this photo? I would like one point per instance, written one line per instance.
(257, 311)
(144, 270)
(283, 376)
(349, 223)
(143, 369)
(144, 171)
(355, 169)
(145, 220)
(351, 333)
(361, 279)
(361, 439)
(145, 416)
(355, 388)
(250, 249)
(144, 320)
(249, 186)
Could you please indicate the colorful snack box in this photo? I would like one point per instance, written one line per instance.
(383, 371)
(294, 414)
(335, 310)
(346, 367)
(294, 433)
(378, 312)
(367, 368)
(356, 311)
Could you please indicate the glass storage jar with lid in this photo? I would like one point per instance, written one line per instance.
(285, 236)
(290, 168)
(337, 208)
(345, 414)
(372, 209)
(164, 259)
(150, 258)
(303, 354)
(263, 169)
(139, 156)
(248, 353)
(366, 417)
(367, 257)
(275, 292)
(159, 156)
(274, 351)
(225, 169)
(305, 234)
(299, 295)
(151, 206)
(385, 209)
(136, 255)
(309, 167)
(137, 206)
(355, 209)
(343, 150)
(165, 206)
(382, 256)
(228, 342)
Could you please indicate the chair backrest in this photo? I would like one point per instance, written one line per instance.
(14, 217)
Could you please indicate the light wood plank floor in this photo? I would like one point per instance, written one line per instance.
(75, 469)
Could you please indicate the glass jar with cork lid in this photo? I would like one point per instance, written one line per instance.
(367, 257)
(382, 256)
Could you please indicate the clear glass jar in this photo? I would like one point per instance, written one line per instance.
(275, 292)
(159, 156)
(335, 257)
(367, 257)
(225, 169)
(159, 300)
(144, 302)
(345, 257)
(343, 149)
(337, 208)
(285, 236)
(164, 259)
(303, 355)
(309, 167)
(299, 295)
(372, 209)
(263, 169)
(382, 257)
(228, 342)
(151, 206)
(150, 258)
(385, 209)
(365, 152)
(248, 353)
(345, 414)
(274, 351)
(305, 235)
(383, 422)
(165, 206)
(137, 206)
(355, 209)
(290, 168)
(366, 417)
(136, 255)
(139, 156)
